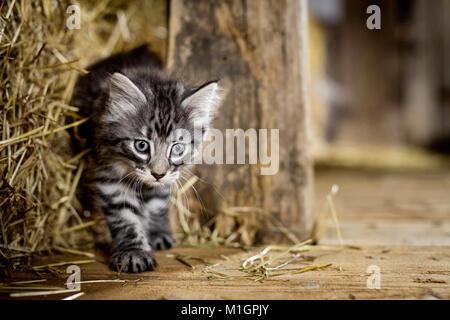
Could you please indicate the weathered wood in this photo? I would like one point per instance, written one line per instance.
(405, 233)
(406, 273)
(259, 51)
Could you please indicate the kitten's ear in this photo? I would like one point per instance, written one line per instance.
(203, 103)
(124, 95)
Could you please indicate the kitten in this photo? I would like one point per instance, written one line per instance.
(141, 134)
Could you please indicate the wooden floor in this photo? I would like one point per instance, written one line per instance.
(398, 222)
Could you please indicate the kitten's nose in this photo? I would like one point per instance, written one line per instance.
(158, 175)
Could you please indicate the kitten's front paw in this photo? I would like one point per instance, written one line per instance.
(161, 240)
(134, 261)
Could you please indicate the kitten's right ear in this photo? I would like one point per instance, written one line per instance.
(124, 95)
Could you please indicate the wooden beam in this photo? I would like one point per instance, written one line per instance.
(259, 51)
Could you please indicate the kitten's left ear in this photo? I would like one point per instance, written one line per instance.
(203, 103)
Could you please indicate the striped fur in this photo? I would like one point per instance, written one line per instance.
(140, 120)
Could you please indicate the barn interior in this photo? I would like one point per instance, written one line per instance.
(360, 207)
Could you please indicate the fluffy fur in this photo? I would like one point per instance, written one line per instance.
(142, 136)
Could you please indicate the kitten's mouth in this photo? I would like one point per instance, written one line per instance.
(150, 181)
(158, 183)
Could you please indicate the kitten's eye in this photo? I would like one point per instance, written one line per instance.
(177, 149)
(141, 145)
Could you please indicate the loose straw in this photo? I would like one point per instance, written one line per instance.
(40, 293)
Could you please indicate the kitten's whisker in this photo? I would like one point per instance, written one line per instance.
(127, 185)
(125, 176)
(193, 187)
(180, 186)
(186, 203)
(185, 196)
(204, 181)
(202, 206)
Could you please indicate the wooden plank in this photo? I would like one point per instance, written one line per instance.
(405, 273)
(258, 50)
(394, 237)
(387, 208)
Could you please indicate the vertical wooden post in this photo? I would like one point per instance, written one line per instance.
(259, 51)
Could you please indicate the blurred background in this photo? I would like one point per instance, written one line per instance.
(380, 97)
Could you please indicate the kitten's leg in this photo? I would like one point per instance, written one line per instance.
(156, 205)
(131, 250)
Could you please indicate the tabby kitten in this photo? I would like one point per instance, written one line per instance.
(142, 135)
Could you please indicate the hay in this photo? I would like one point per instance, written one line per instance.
(41, 293)
(75, 296)
(36, 182)
(183, 259)
(237, 226)
(32, 288)
(232, 226)
(264, 266)
(40, 62)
